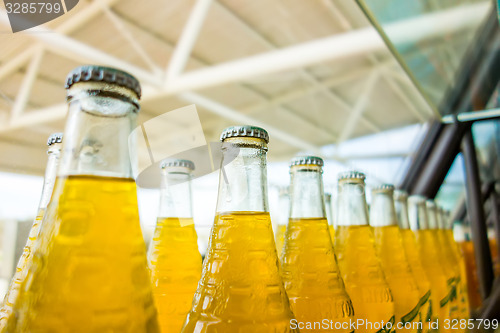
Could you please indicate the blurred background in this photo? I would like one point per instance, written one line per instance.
(372, 85)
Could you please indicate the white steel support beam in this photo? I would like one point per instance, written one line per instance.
(359, 107)
(77, 20)
(28, 81)
(187, 40)
(122, 29)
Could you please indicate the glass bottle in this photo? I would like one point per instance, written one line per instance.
(173, 257)
(329, 216)
(240, 288)
(429, 254)
(89, 272)
(451, 250)
(284, 210)
(414, 260)
(53, 152)
(389, 245)
(445, 259)
(357, 258)
(309, 267)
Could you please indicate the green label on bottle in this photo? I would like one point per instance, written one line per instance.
(412, 314)
(452, 295)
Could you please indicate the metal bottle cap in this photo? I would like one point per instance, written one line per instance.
(93, 73)
(245, 131)
(54, 138)
(383, 188)
(177, 163)
(306, 160)
(355, 175)
(400, 195)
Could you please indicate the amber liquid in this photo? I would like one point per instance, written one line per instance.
(397, 271)
(363, 275)
(280, 239)
(89, 272)
(311, 276)
(494, 256)
(474, 295)
(240, 290)
(175, 266)
(420, 276)
(21, 271)
(440, 300)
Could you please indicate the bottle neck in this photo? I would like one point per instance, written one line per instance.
(401, 207)
(351, 209)
(382, 211)
(175, 193)
(432, 218)
(243, 181)
(306, 189)
(417, 215)
(49, 180)
(100, 120)
(328, 209)
(284, 207)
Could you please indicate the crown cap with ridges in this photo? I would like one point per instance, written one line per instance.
(306, 160)
(245, 131)
(177, 163)
(351, 175)
(93, 73)
(384, 188)
(54, 138)
(400, 195)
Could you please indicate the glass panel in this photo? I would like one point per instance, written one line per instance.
(430, 37)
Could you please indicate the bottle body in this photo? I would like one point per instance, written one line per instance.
(363, 275)
(473, 292)
(399, 276)
(420, 276)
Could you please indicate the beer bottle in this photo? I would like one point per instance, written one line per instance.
(390, 250)
(414, 260)
(429, 254)
(53, 152)
(240, 288)
(89, 272)
(173, 257)
(309, 267)
(357, 258)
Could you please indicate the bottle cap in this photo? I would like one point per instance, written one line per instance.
(54, 138)
(306, 160)
(400, 195)
(244, 131)
(429, 203)
(177, 163)
(384, 188)
(351, 175)
(93, 73)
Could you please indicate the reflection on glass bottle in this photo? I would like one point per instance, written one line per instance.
(389, 245)
(359, 264)
(89, 272)
(309, 267)
(443, 257)
(173, 257)
(284, 209)
(240, 288)
(53, 152)
(329, 216)
(414, 260)
(426, 242)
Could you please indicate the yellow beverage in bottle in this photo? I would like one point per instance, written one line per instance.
(54, 151)
(467, 250)
(363, 276)
(240, 289)
(280, 239)
(92, 275)
(311, 277)
(420, 276)
(175, 266)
